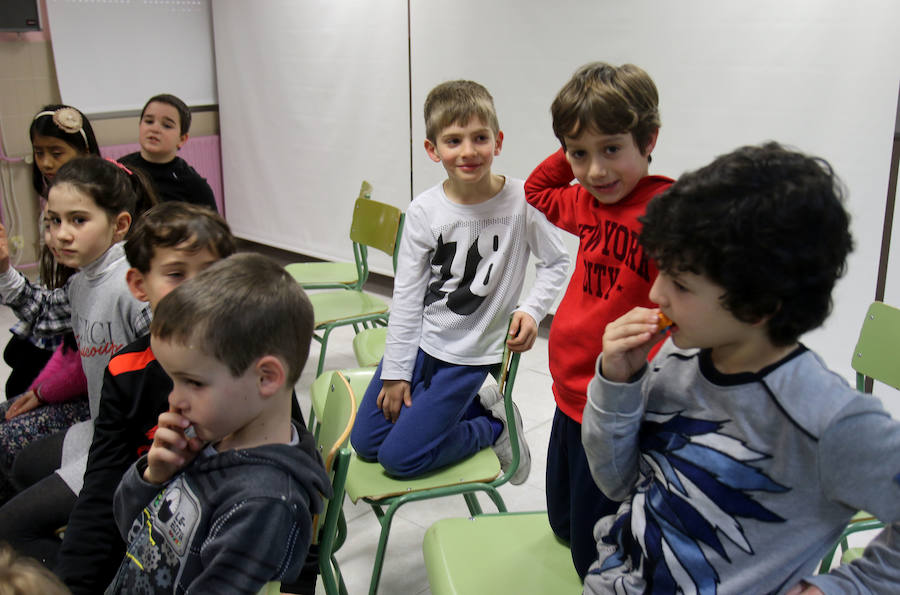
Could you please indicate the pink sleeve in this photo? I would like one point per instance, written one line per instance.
(62, 378)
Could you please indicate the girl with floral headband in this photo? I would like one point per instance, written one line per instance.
(46, 388)
(58, 133)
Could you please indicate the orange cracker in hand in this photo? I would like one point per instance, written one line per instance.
(663, 323)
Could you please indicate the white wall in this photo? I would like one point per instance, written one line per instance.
(313, 98)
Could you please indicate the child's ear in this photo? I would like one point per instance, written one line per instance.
(135, 280)
(184, 138)
(499, 143)
(651, 143)
(432, 151)
(271, 375)
(121, 226)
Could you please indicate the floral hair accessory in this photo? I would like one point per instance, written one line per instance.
(69, 120)
(119, 165)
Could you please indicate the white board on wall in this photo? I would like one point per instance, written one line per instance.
(821, 76)
(113, 55)
(313, 100)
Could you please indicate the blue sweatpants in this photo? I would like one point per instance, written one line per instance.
(574, 502)
(441, 427)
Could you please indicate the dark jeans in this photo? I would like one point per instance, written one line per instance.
(25, 362)
(574, 502)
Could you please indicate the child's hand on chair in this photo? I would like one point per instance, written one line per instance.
(522, 332)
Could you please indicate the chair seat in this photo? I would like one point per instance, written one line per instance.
(317, 275)
(334, 306)
(498, 553)
(368, 345)
(370, 481)
(359, 379)
(270, 588)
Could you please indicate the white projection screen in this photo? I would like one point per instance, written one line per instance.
(314, 97)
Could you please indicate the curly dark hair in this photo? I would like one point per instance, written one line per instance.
(767, 224)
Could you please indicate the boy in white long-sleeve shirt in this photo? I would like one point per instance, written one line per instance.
(461, 267)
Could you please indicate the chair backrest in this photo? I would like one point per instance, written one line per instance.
(376, 225)
(875, 354)
(365, 190)
(334, 432)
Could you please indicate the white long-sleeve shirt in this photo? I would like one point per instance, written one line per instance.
(460, 273)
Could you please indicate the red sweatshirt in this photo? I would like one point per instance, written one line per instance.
(612, 274)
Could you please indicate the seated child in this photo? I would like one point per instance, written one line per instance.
(91, 206)
(460, 271)
(228, 504)
(56, 398)
(58, 134)
(738, 455)
(171, 243)
(163, 129)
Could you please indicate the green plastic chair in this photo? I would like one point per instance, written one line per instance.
(359, 379)
(368, 346)
(338, 416)
(336, 275)
(368, 481)
(377, 225)
(875, 356)
(272, 588)
(498, 553)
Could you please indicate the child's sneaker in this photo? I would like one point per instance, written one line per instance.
(489, 393)
(503, 448)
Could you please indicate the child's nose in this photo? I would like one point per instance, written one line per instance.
(656, 293)
(174, 400)
(62, 232)
(598, 169)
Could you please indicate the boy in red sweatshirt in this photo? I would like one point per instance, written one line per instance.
(607, 120)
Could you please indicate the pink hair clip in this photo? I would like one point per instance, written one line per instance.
(119, 165)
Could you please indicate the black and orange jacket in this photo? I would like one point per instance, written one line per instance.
(135, 391)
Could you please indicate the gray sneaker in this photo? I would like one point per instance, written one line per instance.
(503, 448)
(489, 393)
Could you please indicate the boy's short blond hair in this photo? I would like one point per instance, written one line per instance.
(610, 100)
(456, 102)
(238, 310)
(20, 575)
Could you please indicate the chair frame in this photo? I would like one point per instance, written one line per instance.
(372, 310)
(870, 360)
(413, 490)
